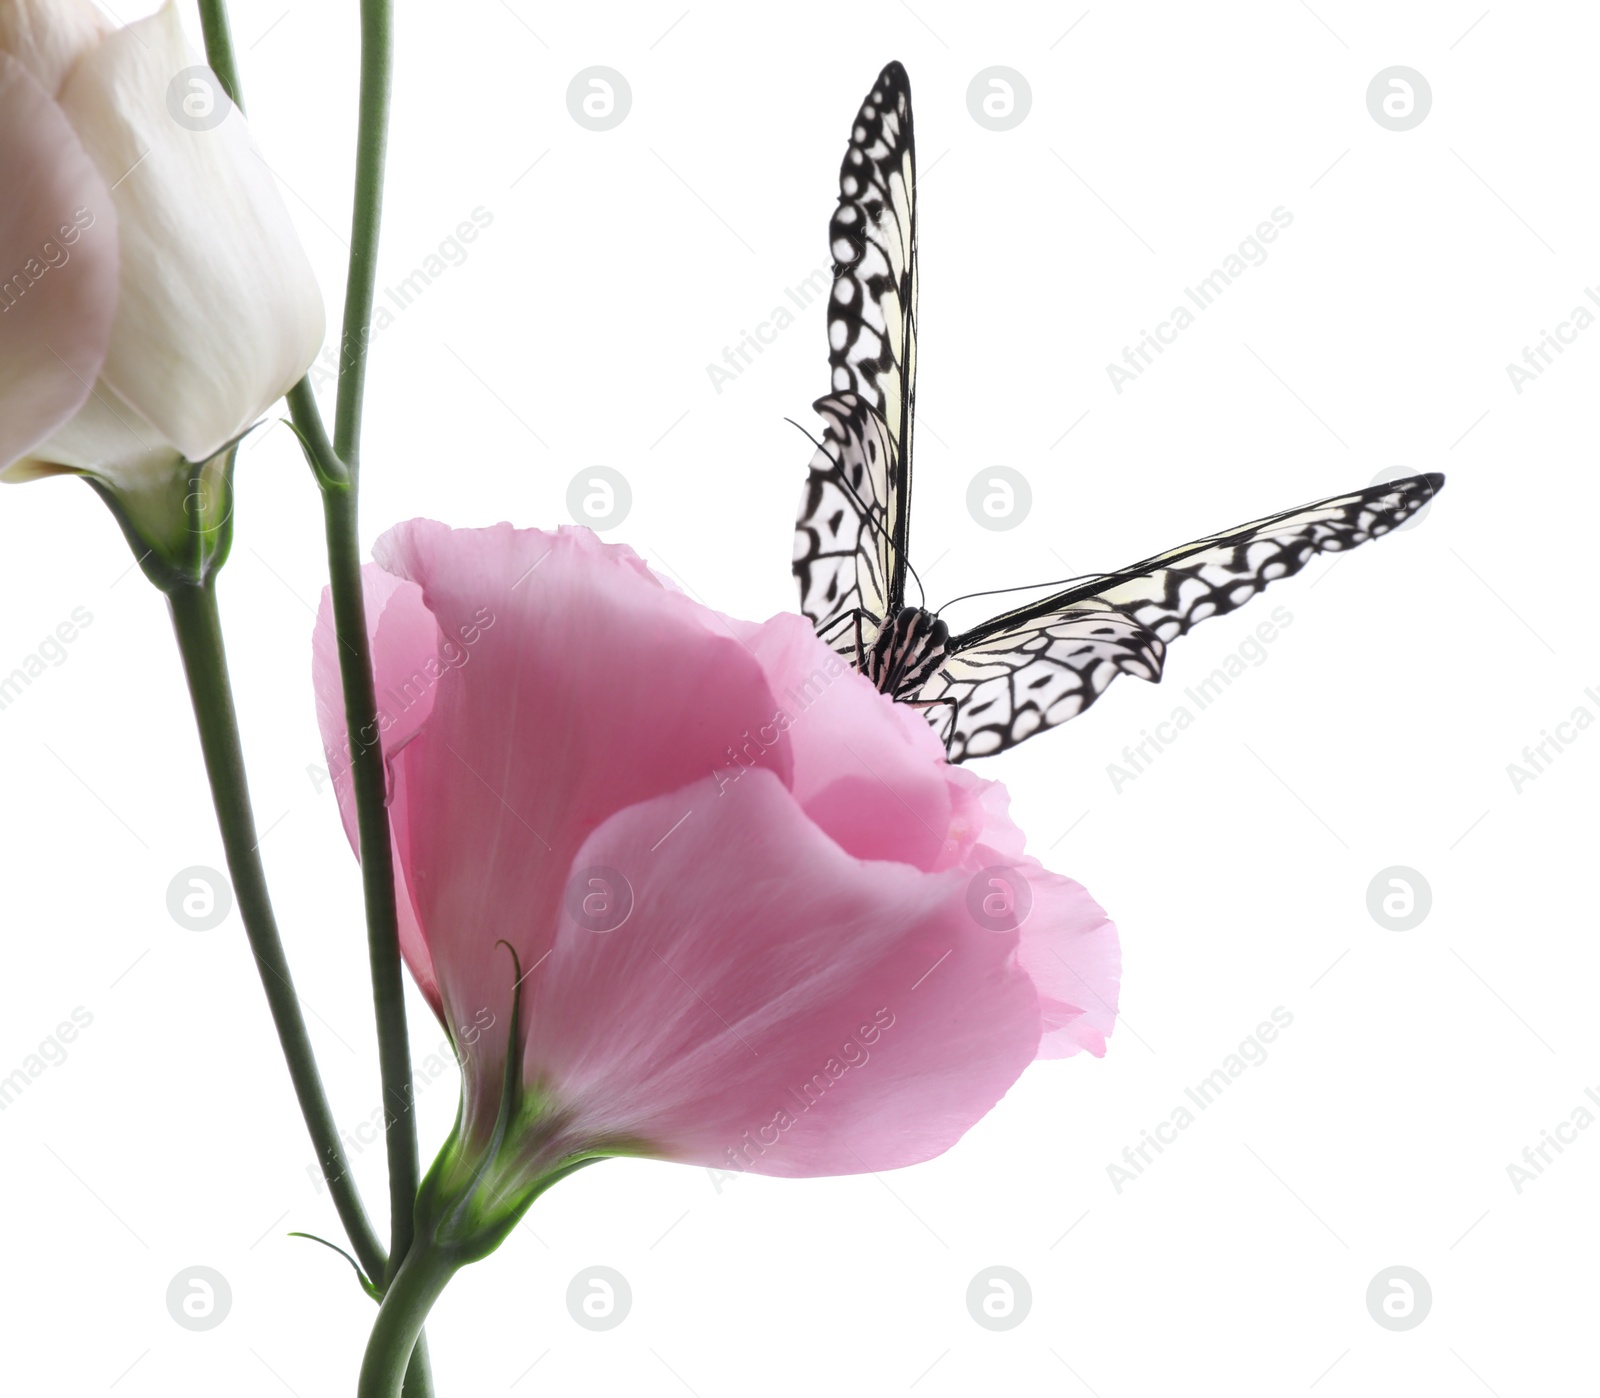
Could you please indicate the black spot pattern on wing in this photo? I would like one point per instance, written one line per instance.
(852, 532)
(1041, 663)
(998, 692)
(842, 551)
(872, 307)
(1044, 663)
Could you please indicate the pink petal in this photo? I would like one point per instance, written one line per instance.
(869, 771)
(1070, 949)
(800, 984)
(980, 812)
(581, 687)
(58, 266)
(1069, 946)
(772, 1003)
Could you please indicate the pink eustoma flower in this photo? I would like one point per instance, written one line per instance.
(759, 923)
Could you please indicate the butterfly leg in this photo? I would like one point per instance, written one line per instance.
(853, 619)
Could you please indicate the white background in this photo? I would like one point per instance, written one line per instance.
(1376, 733)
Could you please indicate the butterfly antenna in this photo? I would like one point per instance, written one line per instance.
(802, 431)
(1021, 587)
(862, 512)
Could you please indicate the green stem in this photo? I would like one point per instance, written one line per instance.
(199, 633)
(420, 1281)
(219, 47)
(334, 463)
(369, 779)
(340, 509)
(419, 1375)
(372, 139)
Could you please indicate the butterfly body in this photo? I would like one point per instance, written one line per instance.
(1042, 662)
(907, 653)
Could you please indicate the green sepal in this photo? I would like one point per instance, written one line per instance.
(366, 1282)
(179, 525)
(306, 424)
(475, 1194)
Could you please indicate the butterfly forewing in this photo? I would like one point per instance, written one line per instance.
(1043, 663)
(872, 309)
(873, 240)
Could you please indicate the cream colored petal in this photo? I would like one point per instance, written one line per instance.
(49, 36)
(107, 438)
(58, 265)
(220, 313)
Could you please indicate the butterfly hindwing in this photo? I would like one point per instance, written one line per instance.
(1044, 663)
(842, 551)
(999, 691)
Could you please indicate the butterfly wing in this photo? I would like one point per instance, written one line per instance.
(872, 352)
(872, 308)
(1043, 663)
(844, 556)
